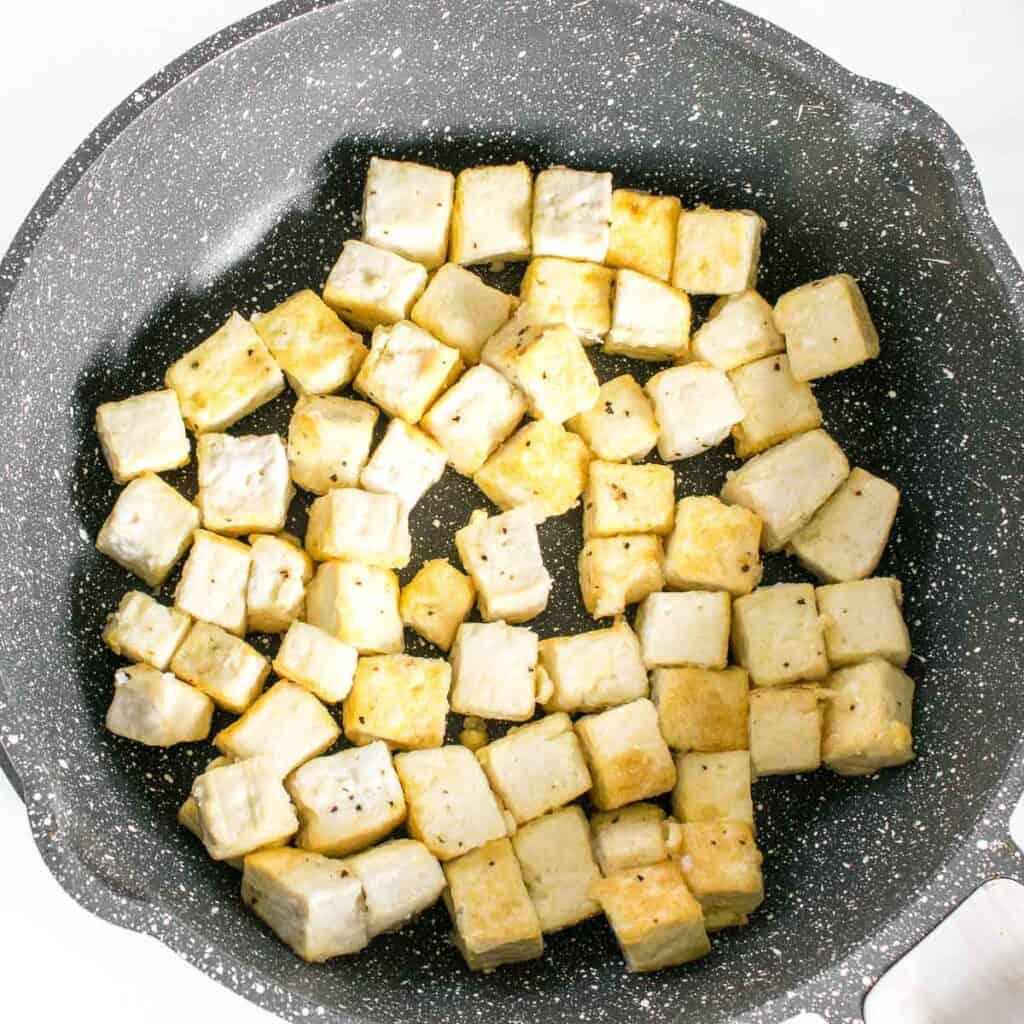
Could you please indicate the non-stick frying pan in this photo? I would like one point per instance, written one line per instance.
(232, 178)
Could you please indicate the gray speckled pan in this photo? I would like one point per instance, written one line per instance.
(232, 178)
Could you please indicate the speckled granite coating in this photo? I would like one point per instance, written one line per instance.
(231, 179)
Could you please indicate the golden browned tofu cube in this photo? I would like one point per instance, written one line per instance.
(144, 630)
(406, 463)
(157, 709)
(722, 866)
(686, 628)
(619, 571)
(739, 329)
(572, 214)
(370, 286)
(864, 620)
(631, 837)
(643, 232)
(700, 709)
(436, 601)
(491, 219)
(329, 441)
(785, 729)
(494, 671)
(225, 668)
(276, 594)
(620, 426)
(313, 659)
(142, 434)
(359, 526)
(558, 291)
(621, 498)
(717, 251)
(214, 581)
(650, 319)
(714, 787)
(358, 605)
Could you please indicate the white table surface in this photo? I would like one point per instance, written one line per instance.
(66, 64)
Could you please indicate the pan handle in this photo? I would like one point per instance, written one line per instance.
(12, 776)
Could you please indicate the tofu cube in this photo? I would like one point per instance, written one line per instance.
(739, 329)
(494, 671)
(714, 787)
(696, 408)
(846, 537)
(495, 921)
(358, 605)
(503, 558)
(620, 426)
(650, 319)
(690, 627)
(316, 350)
(346, 801)
(214, 582)
(717, 251)
(188, 814)
(702, 709)
(785, 729)
(656, 919)
(558, 867)
(144, 630)
(329, 441)
(436, 601)
(287, 726)
(787, 484)
(643, 232)
(228, 670)
(536, 768)
(491, 219)
(406, 370)
(714, 546)
(474, 416)
(619, 571)
(631, 837)
(399, 699)
(280, 573)
(400, 880)
(572, 214)
(225, 378)
(558, 291)
(406, 463)
(621, 498)
(359, 526)
(149, 528)
(451, 808)
(864, 620)
(461, 311)
(628, 758)
(722, 866)
(142, 434)
(156, 709)
(868, 718)
(778, 636)
(407, 208)
(827, 326)
(370, 286)
(313, 659)
(312, 903)
(542, 469)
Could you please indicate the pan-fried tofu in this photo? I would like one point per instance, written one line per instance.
(621, 498)
(656, 919)
(491, 219)
(696, 408)
(369, 286)
(785, 729)
(313, 659)
(142, 434)
(228, 670)
(717, 251)
(536, 768)
(494, 919)
(157, 709)
(312, 903)
(650, 319)
(451, 808)
(346, 801)
(619, 571)
(627, 756)
(827, 326)
(276, 594)
(787, 484)
(689, 627)
(628, 838)
(225, 378)
(620, 426)
(558, 291)
(214, 581)
(846, 536)
(406, 463)
(149, 528)
(714, 787)
(436, 601)
(702, 709)
(722, 866)
(558, 867)
(494, 671)
(188, 814)
(399, 699)
(864, 620)
(359, 526)
(868, 718)
(714, 546)
(572, 214)
(144, 630)
(739, 329)
(329, 441)
(643, 232)
(316, 350)
(358, 605)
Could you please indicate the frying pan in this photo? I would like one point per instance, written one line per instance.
(232, 178)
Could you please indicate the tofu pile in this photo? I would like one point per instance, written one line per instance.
(604, 773)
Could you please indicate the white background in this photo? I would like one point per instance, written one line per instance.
(67, 64)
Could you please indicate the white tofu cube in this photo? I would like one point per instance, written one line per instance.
(717, 251)
(156, 709)
(313, 659)
(276, 594)
(787, 484)
(346, 801)
(572, 214)
(225, 378)
(142, 434)
(358, 605)
(702, 709)
(370, 286)
(188, 814)
(491, 219)
(228, 670)
(722, 866)
(739, 329)
(494, 671)
(536, 768)
(785, 729)
(406, 463)
(620, 426)
(557, 291)
(864, 620)
(690, 627)
(502, 556)
(846, 537)
(407, 208)
(329, 441)
(650, 319)
(214, 582)
(714, 787)
(619, 571)
(631, 837)
(436, 601)
(643, 232)
(149, 528)
(621, 498)
(144, 630)
(359, 526)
